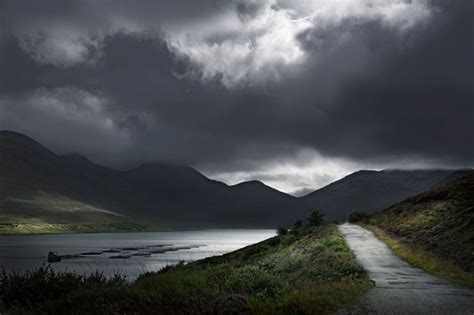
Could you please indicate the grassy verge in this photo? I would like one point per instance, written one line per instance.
(45, 212)
(307, 271)
(36, 226)
(422, 259)
(433, 230)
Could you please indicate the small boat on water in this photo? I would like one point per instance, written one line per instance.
(54, 257)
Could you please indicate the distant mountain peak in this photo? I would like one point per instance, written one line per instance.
(158, 165)
(250, 182)
(10, 132)
(368, 191)
(253, 184)
(16, 136)
(153, 167)
(11, 141)
(256, 184)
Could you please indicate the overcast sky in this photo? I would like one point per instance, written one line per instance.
(295, 93)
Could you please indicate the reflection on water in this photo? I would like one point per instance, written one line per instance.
(127, 253)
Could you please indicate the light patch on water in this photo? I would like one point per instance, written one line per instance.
(130, 254)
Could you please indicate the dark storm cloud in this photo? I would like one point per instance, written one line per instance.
(362, 90)
(420, 101)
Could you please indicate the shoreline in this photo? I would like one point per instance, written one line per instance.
(137, 231)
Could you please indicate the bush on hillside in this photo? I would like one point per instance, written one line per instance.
(298, 224)
(316, 218)
(358, 217)
(282, 231)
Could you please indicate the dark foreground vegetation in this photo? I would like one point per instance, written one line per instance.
(433, 230)
(307, 270)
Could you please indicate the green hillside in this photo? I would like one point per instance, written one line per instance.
(50, 212)
(434, 230)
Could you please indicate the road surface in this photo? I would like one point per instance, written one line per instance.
(399, 287)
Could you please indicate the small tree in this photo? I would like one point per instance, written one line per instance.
(316, 218)
(298, 224)
(358, 217)
(282, 231)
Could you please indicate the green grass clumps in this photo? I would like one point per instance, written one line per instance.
(190, 291)
(41, 288)
(253, 280)
(308, 270)
(305, 272)
(323, 298)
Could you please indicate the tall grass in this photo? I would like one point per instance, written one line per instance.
(32, 288)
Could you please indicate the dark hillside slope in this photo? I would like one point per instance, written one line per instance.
(440, 221)
(43, 192)
(253, 195)
(37, 183)
(181, 191)
(369, 191)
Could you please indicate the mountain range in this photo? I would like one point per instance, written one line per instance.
(369, 191)
(38, 186)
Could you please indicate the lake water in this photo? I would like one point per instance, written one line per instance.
(127, 253)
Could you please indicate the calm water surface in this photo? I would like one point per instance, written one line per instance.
(127, 253)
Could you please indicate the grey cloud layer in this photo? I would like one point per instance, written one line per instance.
(238, 85)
